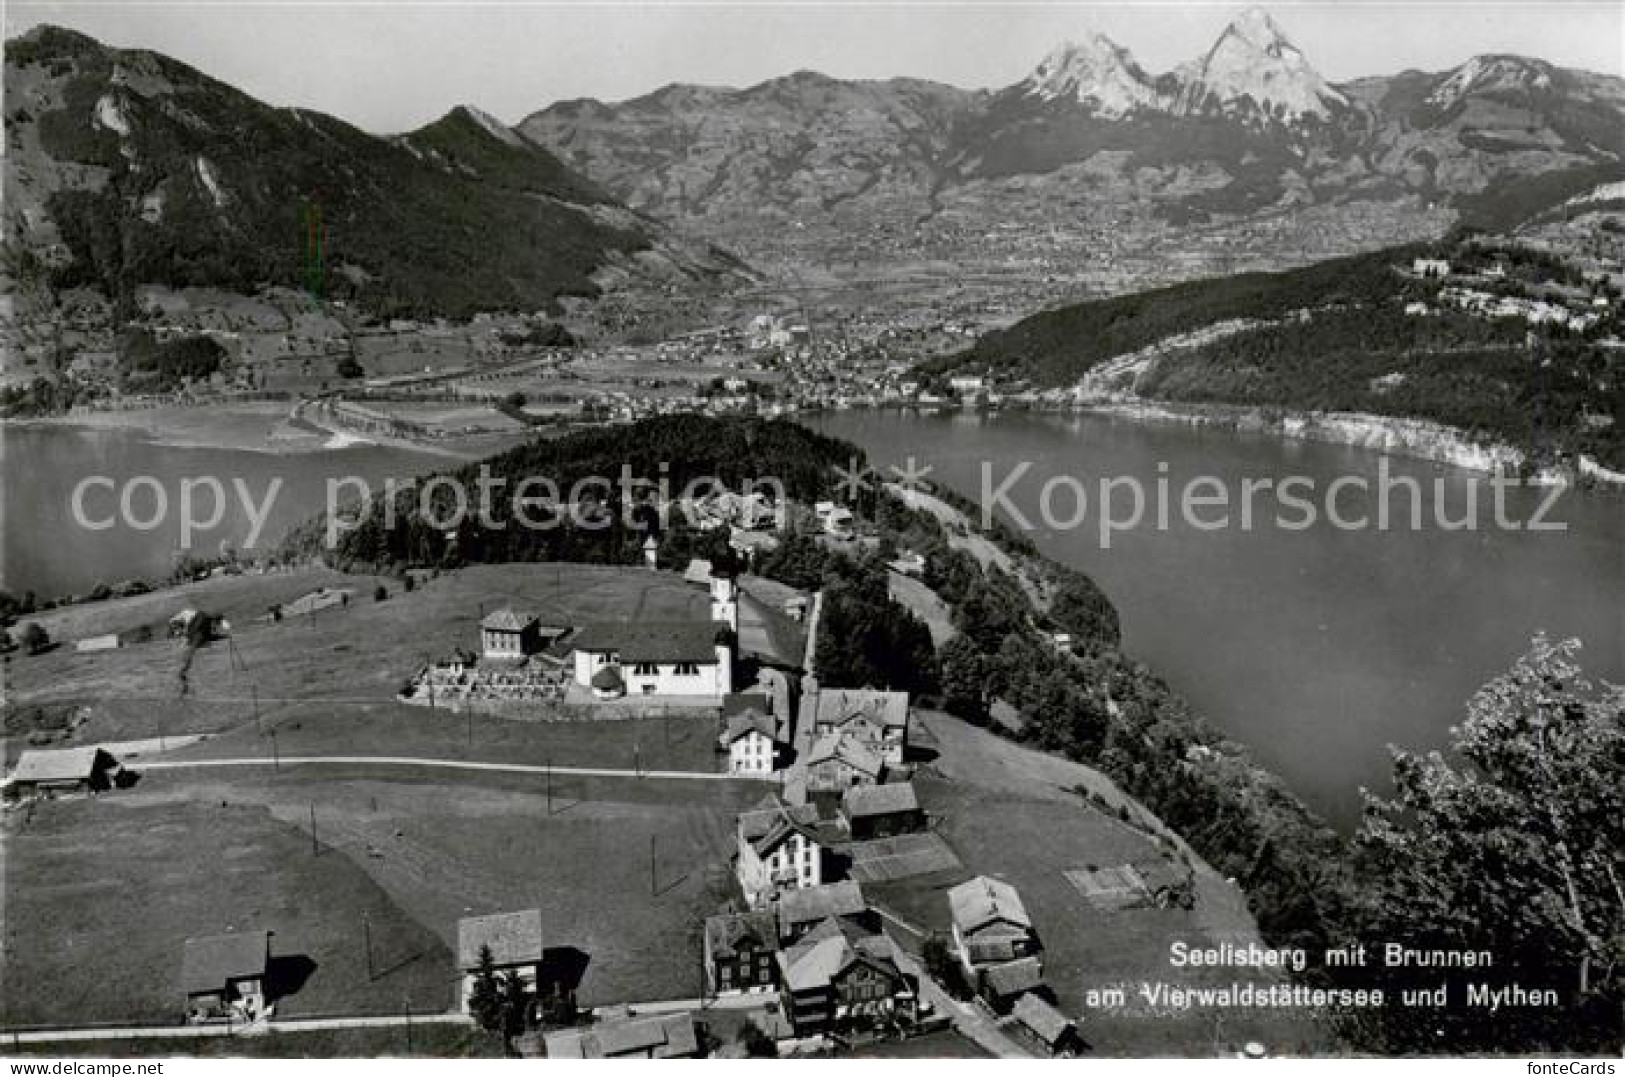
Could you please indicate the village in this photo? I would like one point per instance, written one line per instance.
(600, 811)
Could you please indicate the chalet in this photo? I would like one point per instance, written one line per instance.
(514, 940)
(740, 952)
(877, 720)
(751, 736)
(881, 811)
(223, 976)
(661, 1036)
(682, 658)
(63, 771)
(779, 850)
(836, 762)
(800, 910)
(837, 979)
(1430, 267)
(990, 925)
(506, 634)
(1053, 1030)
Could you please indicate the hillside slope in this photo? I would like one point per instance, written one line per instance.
(127, 167)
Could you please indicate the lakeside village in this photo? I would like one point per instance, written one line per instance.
(503, 375)
(796, 959)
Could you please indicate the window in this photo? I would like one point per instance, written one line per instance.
(688, 669)
(645, 669)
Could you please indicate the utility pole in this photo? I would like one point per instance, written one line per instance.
(408, 1001)
(276, 760)
(366, 935)
(651, 865)
(314, 849)
(549, 765)
(258, 732)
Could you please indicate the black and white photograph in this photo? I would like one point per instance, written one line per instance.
(986, 530)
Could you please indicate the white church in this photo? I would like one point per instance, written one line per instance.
(670, 659)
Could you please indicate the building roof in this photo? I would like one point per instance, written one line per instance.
(1044, 1020)
(813, 903)
(57, 764)
(723, 934)
(665, 1036)
(828, 951)
(506, 620)
(848, 750)
(837, 706)
(653, 641)
(212, 961)
(743, 723)
(773, 820)
(865, 801)
(984, 900)
(1014, 977)
(515, 938)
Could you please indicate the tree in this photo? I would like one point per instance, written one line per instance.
(380, 593)
(485, 999)
(1515, 850)
(350, 368)
(515, 1005)
(33, 638)
(964, 680)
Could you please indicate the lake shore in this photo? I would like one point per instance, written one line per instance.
(271, 427)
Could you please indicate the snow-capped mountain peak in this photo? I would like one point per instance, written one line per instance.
(1097, 73)
(1255, 68)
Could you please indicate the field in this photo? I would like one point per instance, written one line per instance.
(101, 894)
(1012, 813)
(331, 674)
(624, 871)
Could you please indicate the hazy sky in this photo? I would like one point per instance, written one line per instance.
(393, 66)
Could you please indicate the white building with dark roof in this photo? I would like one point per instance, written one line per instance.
(779, 850)
(750, 733)
(652, 658)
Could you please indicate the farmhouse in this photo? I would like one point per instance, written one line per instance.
(224, 975)
(740, 952)
(63, 771)
(779, 850)
(751, 735)
(877, 720)
(506, 634)
(514, 940)
(990, 925)
(679, 658)
(665, 1036)
(881, 811)
(837, 978)
(836, 762)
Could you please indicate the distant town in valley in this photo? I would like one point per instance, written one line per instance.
(837, 768)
